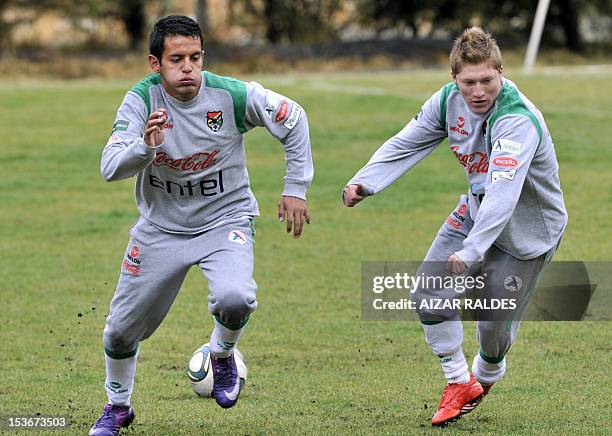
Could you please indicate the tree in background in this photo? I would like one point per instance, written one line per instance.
(292, 21)
(506, 18)
(133, 16)
(130, 12)
(315, 21)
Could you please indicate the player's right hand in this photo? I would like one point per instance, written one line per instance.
(352, 195)
(154, 130)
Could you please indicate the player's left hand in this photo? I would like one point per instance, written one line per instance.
(455, 265)
(294, 211)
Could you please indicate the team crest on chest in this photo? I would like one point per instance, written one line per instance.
(214, 120)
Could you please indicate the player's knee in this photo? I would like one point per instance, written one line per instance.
(495, 330)
(495, 339)
(429, 309)
(234, 308)
(119, 341)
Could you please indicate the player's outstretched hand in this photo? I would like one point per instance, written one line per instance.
(352, 195)
(293, 210)
(455, 265)
(154, 130)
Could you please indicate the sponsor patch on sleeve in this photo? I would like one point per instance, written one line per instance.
(507, 146)
(294, 116)
(272, 103)
(113, 139)
(120, 126)
(281, 114)
(498, 175)
(506, 162)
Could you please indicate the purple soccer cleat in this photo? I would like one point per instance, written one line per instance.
(226, 383)
(112, 419)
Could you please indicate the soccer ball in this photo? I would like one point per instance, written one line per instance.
(200, 372)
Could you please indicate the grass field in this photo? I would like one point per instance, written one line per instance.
(314, 366)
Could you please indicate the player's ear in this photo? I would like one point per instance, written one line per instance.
(154, 63)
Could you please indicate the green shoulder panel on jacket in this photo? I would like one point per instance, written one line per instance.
(446, 91)
(509, 102)
(141, 89)
(237, 90)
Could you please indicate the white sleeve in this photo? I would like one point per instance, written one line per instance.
(404, 150)
(287, 122)
(125, 153)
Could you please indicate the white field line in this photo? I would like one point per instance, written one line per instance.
(573, 69)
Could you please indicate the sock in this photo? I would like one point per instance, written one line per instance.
(444, 336)
(488, 373)
(224, 340)
(455, 367)
(120, 379)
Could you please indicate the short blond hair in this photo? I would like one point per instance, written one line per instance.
(474, 46)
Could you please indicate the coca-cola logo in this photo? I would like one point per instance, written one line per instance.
(505, 162)
(193, 163)
(476, 162)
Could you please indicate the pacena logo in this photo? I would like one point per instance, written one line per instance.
(282, 112)
(505, 162)
(120, 126)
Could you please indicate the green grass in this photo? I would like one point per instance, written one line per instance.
(314, 366)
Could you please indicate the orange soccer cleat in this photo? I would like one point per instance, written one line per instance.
(457, 400)
(476, 402)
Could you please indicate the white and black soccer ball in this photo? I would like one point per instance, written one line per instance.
(200, 371)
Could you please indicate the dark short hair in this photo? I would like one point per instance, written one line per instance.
(170, 26)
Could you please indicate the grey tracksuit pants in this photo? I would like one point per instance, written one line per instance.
(495, 334)
(153, 270)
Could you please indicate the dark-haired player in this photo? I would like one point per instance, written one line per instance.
(180, 132)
